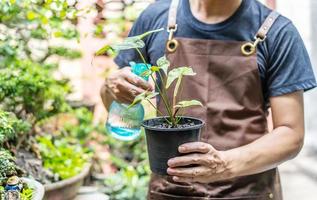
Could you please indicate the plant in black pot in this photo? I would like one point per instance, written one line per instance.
(166, 133)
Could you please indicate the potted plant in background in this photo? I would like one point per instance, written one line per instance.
(174, 128)
(32, 89)
(11, 183)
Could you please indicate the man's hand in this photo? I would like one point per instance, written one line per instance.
(202, 163)
(263, 154)
(123, 86)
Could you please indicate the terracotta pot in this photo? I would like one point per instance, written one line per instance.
(66, 189)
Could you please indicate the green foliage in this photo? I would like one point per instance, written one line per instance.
(65, 52)
(127, 184)
(184, 104)
(130, 158)
(163, 64)
(30, 91)
(83, 127)
(1, 192)
(143, 96)
(7, 167)
(28, 85)
(26, 194)
(10, 127)
(64, 157)
(34, 21)
(178, 73)
(136, 42)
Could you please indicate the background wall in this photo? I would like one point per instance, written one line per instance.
(303, 14)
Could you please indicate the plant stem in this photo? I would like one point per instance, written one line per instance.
(159, 112)
(178, 83)
(158, 88)
(164, 90)
(154, 107)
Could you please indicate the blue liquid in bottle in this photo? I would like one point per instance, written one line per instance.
(124, 122)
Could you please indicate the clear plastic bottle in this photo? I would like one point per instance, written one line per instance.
(124, 123)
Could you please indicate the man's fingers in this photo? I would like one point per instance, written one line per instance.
(129, 89)
(137, 81)
(183, 179)
(190, 159)
(199, 147)
(200, 179)
(190, 172)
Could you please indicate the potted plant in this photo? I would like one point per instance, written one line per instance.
(10, 183)
(32, 89)
(174, 128)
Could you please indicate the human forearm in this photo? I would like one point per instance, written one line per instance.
(282, 144)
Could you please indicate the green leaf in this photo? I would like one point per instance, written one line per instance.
(177, 73)
(184, 104)
(163, 63)
(104, 50)
(143, 96)
(30, 15)
(149, 32)
(138, 99)
(129, 43)
(151, 95)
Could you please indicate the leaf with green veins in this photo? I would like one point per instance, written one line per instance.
(177, 73)
(184, 104)
(129, 43)
(163, 63)
(134, 42)
(149, 32)
(151, 95)
(143, 96)
(178, 83)
(104, 50)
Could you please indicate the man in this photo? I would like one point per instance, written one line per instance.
(247, 59)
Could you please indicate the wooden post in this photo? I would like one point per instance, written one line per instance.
(271, 4)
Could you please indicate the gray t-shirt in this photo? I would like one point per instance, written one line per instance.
(283, 61)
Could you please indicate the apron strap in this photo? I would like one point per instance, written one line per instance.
(172, 14)
(172, 44)
(266, 26)
(249, 48)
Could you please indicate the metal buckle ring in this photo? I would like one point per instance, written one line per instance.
(171, 45)
(250, 48)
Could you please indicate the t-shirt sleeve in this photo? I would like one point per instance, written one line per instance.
(125, 56)
(289, 66)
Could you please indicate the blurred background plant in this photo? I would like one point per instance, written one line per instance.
(32, 90)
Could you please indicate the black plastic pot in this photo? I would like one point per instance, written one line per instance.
(163, 143)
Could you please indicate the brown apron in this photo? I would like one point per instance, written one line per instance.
(228, 84)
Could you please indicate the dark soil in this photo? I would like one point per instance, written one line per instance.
(183, 123)
(166, 125)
